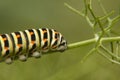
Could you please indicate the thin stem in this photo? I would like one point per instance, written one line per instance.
(100, 25)
(117, 48)
(86, 9)
(105, 12)
(80, 13)
(88, 54)
(78, 44)
(112, 47)
(111, 60)
(107, 51)
(90, 41)
(112, 22)
(89, 22)
(73, 9)
(106, 16)
(116, 19)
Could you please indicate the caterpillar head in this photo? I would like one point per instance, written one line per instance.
(63, 45)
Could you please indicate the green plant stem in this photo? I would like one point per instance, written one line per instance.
(73, 9)
(80, 13)
(111, 60)
(90, 41)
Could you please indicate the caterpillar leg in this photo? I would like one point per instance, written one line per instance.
(8, 61)
(36, 54)
(22, 57)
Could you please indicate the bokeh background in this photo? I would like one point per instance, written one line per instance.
(18, 15)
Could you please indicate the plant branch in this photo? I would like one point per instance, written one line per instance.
(99, 36)
(73, 9)
(90, 41)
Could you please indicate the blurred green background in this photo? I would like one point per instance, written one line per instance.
(18, 15)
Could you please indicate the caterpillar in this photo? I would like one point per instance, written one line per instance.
(30, 43)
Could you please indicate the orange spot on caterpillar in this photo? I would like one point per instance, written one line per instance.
(32, 42)
(4, 39)
(6, 48)
(45, 40)
(17, 36)
(19, 45)
(44, 31)
(31, 33)
(56, 32)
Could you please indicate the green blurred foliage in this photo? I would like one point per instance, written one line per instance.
(18, 15)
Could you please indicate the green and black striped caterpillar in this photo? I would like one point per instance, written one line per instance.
(31, 42)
